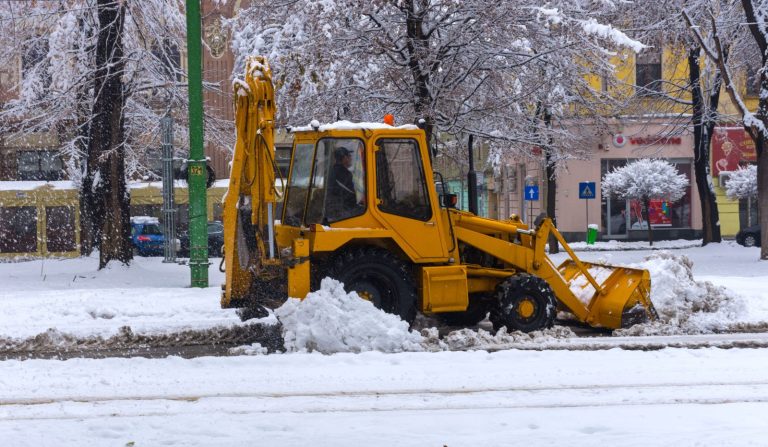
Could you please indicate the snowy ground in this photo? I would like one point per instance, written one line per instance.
(549, 389)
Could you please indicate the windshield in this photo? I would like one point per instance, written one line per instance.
(298, 185)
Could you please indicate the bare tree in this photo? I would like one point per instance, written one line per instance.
(752, 14)
(515, 75)
(102, 85)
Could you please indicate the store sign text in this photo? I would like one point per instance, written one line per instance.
(647, 141)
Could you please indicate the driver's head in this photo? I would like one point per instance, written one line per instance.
(343, 156)
(341, 152)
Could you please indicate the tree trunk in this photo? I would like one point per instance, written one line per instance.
(417, 44)
(646, 213)
(702, 135)
(105, 201)
(757, 23)
(549, 171)
(762, 191)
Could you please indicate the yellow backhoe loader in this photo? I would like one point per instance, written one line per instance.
(361, 204)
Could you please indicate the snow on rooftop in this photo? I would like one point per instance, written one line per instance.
(349, 125)
(145, 220)
(32, 185)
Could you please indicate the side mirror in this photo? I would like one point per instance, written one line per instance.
(450, 200)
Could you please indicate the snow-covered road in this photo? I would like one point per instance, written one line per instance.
(550, 389)
(684, 397)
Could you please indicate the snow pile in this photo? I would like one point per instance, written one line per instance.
(331, 320)
(480, 339)
(583, 289)
(685, 305)
(252, 349)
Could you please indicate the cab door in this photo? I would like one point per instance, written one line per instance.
(403, 199)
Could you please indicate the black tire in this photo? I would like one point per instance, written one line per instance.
(378, 276)
(524, 303)
(478, 309)
(750, 240)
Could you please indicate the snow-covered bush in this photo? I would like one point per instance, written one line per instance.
(643, 180)
(742, 184)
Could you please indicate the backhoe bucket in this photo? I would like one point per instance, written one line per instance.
(623, 299)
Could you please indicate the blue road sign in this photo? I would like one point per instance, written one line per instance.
(531, 193)
(587, 190)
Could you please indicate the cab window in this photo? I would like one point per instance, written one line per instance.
(337, 190)
(298, 185)
(401, 186)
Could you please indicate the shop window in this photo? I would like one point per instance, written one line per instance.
(60, 229)
(648, 80)
(39, 165)
(615, 215)
(680, 211)
(619, 216)
(18, 229)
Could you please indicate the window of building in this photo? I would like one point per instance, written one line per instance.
(18, 229)
(39, 165)
(620, 216)
(648, 80)
(34, 65)
(60, 229)
(170, 60)
(401, 186)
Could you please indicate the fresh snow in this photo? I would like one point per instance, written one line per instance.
(348, 125)
(331, 320)
(706, 397)
(466, 387)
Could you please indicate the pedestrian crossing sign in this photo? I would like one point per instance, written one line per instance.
(587, 190)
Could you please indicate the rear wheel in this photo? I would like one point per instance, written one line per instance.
(750, 240)
(377, 276)
(524, 303)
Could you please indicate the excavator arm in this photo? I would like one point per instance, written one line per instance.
(249, 248)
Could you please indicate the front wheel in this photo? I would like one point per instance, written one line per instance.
(750, 240)
(524, 303)
(377, 276)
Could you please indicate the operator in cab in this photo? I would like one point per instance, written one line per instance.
(341, 201)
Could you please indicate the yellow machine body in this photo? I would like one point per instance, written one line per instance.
(399, 242)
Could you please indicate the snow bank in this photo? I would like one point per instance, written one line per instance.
(614, 245)
(331, 320)
(480, 339)
(686, 306)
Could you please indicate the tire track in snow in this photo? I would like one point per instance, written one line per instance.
(533, 397)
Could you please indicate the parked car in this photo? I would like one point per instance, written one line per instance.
(749, 237)
(146, 236)
(215, 240)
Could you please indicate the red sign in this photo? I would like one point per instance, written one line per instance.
(658, 214)
(648, 141)
(730, 147)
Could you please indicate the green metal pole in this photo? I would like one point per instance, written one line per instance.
(198, 216)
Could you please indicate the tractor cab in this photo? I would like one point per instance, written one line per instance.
(350, 178)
